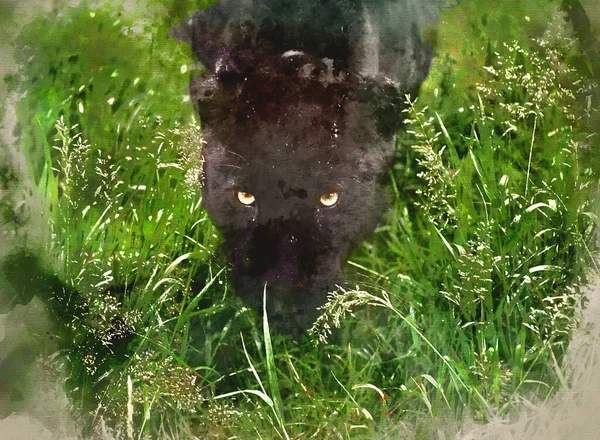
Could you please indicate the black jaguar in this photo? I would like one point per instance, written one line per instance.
(300, 104)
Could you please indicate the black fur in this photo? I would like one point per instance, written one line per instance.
(301, 98)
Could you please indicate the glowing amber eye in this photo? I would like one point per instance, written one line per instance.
(245, 198)
(329, 198)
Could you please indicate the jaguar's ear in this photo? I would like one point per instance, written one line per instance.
(218, 36)
(394, 40)
(219, 33)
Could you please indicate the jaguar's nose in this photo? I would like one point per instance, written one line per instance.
(281, 252)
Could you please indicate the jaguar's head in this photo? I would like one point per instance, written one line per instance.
(293, 172)
(300, 103)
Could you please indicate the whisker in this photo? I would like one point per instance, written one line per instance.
(236, 154)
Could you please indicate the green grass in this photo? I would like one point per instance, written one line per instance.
(462, 301)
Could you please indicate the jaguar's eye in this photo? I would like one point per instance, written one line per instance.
(245, 198)
(329, 198)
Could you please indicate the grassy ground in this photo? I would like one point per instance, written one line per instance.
(461, 304)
